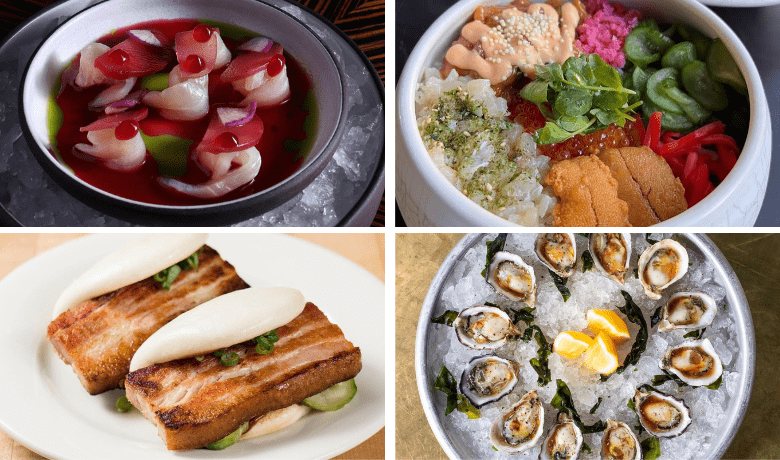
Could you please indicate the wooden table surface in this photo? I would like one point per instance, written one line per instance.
(367, 250)
(752, 256)
(362, 20)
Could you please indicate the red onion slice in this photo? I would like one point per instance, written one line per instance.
(237, 116)
(257, 44)
(146, 37)
(131, 100)
(112, 121)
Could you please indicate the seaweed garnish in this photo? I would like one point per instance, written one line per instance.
(493, 247)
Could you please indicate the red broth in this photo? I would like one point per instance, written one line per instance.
(283, 123)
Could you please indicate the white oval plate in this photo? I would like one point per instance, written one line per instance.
(44, 407)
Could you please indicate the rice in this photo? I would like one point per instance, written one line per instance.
(497, 165)
(466, 287)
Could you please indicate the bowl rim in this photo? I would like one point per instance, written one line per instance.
(275, 195)
(723, 270)
(758, 129)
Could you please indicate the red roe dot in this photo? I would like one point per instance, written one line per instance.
(118, 57)
(226, 140)
(126, 130)
(193, 63)
(202, 33)
(275, 66)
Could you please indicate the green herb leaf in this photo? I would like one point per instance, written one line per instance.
(560, 283)
(465, 406)
(716, 384)
(593, 409)
(445, 383)
(573, 124)
(573, 102)
(651, 448)
(586, 447)
(536, 91)
(605, 74)
(587, 261)
(551, 133)
(525, 315)
(539, 363)
(493, 247)
(446, 318)
(564, 403)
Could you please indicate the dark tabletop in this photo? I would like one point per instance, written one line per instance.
(756, 27)
(362, 20)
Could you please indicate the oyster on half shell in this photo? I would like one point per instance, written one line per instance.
(512, 278)
(483, 327)
(558, 252)
(661, 265)
(619, 442)
(695, 362)
(564, 441)
(661, 415)
(688, 310)
(611, 254)
(487, 379)
(520, 428)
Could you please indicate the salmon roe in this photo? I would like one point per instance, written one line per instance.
(612, 136)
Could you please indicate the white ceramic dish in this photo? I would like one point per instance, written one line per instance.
(44, 407)
(426, 198)
(56, 52)
(740, 3)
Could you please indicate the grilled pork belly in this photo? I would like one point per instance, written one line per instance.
(99, 337)
(194, 403)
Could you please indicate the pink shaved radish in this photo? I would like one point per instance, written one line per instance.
(187, 46)
(112, 121)
(250, 63)
(236, 116)
(132, 58)
(258, 45)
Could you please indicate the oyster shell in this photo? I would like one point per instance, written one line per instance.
(688, 310)
(620, 443)
(661, 265)
(487, 379)
(558, 252)
(564, 441)
(520, 428)
(661, 415)
(512, 278)
(695, 362)
(483, 327)
(611, 254)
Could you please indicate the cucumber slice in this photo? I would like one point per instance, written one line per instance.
(723, 68)
(697, 82)
(334, 398)
(656, 89)
(679, 55)
(669, 121)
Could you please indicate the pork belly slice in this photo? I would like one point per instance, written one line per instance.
(99, 337)
(193, 403)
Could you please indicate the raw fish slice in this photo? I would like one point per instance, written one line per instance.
(187, 46)
(248, 64)
(113, 93)
(131, 58)
(183, 99)
(88, 74)
(223, 53)
(118, 155)
(274, 91)
(249, 165)
(246, 135)
(218, 163)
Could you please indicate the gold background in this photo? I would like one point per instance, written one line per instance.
(367, 250)
(754, 257)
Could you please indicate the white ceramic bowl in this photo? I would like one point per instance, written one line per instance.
(66, 41)
(426, 198)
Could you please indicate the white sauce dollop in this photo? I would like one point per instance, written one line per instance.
(134, 262)
(219, 323)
